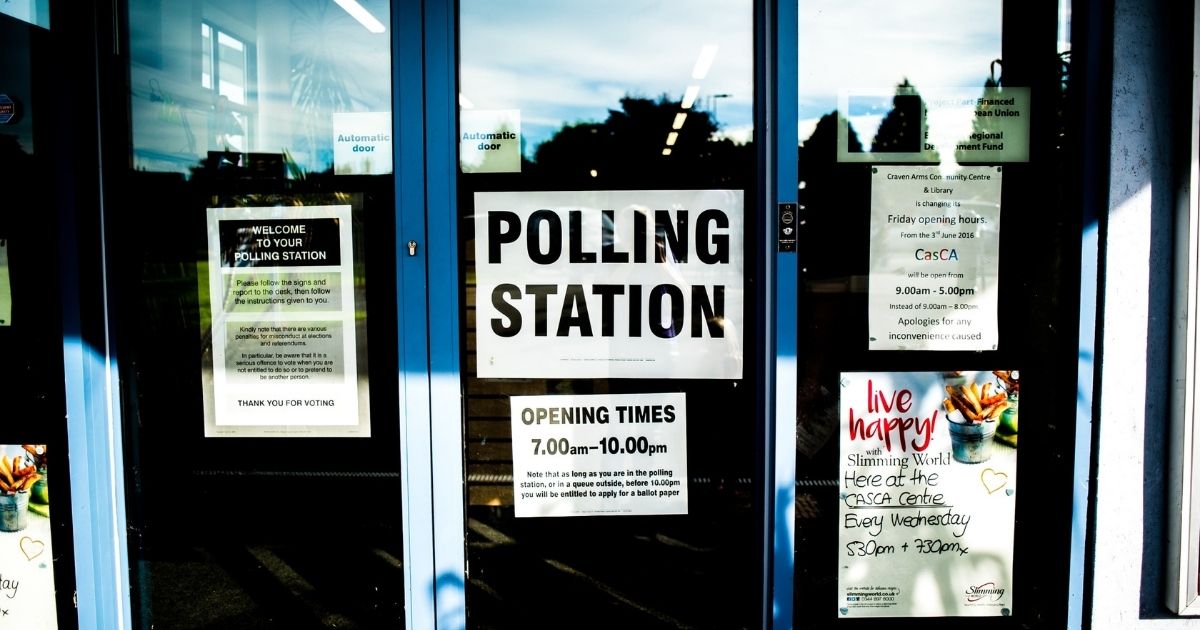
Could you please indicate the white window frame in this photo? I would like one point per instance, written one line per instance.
(1183, 537)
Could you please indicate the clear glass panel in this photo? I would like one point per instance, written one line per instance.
(264, 468)
(301, 78)
(936, 231)
(622, 131)
(36, 548)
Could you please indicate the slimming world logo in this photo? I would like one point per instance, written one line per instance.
(985, 590)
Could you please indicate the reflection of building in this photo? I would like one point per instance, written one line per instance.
(248, 77)
(118, 155)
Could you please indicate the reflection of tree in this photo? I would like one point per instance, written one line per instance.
(982, 126)
(903, 128)
(831, 196)
(628, 147)
(318, 80)
(833, 241)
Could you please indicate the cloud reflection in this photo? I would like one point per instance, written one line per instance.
(561, 63)
(877, 44)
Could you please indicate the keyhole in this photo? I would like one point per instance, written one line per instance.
(412, 248)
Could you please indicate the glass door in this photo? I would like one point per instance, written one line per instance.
(260, 311)
(607, 192)
(939, 221)
(37, 275)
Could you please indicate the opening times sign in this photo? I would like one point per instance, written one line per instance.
(284, 334)
(599, 454)
(935, 242)
(609, 284)
(928, 496)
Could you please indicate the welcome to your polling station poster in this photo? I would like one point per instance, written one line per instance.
(287, 341)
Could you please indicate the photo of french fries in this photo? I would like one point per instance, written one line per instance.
(16, 476)
(975, 403)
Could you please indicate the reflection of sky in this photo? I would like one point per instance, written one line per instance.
(562, 63)
(876, 44)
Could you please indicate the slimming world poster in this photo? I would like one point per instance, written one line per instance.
(928, 490)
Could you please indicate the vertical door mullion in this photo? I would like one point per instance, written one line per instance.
(441, 107)
(90, 367)
(777, 96)
(411, 318)
(784, 98)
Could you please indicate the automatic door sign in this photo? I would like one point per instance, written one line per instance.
(609, 284)
(362, 143)
(490, 140)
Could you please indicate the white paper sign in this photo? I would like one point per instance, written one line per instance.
(609, 284)
(362, 143)
(5, 286)
(939, 124)
(599, 454)
(927, 499)
(490, 140)
(934, 258)
(284, 333)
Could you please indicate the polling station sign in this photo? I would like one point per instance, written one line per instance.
(609, 284)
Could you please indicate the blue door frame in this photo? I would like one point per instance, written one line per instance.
(782, 41)
(777, 99)
(425, 64)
